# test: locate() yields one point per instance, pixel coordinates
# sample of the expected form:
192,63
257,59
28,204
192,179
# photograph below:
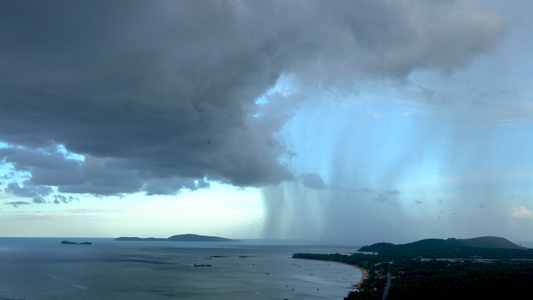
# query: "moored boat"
202,265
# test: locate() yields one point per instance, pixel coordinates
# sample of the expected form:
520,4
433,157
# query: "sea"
43,268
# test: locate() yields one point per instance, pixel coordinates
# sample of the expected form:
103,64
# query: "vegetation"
469,272
73,243
484,247
179,238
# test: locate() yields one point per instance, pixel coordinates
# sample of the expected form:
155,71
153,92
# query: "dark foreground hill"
478,268
179,238
485,247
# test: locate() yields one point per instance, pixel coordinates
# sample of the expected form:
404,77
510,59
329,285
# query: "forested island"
479,268
179,238
73,243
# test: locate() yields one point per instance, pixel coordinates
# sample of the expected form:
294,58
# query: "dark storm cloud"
39,200
171,186
159,96
313,181
47,166
63,199
28,190
60,199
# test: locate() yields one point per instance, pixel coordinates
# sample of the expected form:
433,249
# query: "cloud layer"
161,96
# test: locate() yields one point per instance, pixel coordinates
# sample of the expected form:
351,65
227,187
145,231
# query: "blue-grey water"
42,268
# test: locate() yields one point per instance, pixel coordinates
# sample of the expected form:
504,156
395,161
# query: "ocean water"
42,268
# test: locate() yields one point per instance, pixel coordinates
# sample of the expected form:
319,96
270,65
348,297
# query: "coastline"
363,278
364,272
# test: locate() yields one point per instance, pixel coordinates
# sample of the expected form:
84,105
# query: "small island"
477,268
178,238
73,243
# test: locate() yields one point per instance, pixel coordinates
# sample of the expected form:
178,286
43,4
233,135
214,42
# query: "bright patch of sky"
221,210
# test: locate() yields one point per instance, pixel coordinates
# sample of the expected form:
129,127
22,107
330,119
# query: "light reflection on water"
44,269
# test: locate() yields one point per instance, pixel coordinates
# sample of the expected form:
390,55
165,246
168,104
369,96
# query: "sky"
334,121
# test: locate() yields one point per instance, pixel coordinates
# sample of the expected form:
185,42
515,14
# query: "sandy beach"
363,278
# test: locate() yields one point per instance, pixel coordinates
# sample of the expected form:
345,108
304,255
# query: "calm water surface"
41,268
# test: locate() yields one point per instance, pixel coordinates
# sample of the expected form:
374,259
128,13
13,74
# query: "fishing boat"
202,265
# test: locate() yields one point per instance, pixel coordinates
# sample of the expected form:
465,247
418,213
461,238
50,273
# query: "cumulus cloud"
160,96
522,212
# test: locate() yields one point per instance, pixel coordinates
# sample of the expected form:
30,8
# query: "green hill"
490,242
178,238
198,238
486,247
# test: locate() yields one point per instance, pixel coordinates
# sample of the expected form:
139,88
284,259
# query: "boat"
202,265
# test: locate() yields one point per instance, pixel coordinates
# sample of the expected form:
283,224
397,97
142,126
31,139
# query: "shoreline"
363,278
364,273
